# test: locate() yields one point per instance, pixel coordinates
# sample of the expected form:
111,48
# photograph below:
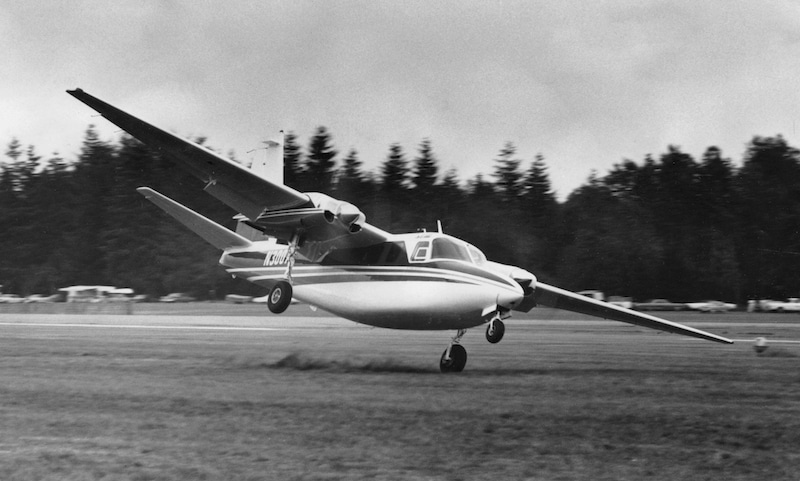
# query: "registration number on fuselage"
276,257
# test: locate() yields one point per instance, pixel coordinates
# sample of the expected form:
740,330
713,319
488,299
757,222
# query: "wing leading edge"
551,296
226,180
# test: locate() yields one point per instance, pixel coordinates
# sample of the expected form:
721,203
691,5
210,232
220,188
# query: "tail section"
270,166
210,231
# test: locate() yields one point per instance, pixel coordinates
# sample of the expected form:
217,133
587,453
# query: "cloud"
585,84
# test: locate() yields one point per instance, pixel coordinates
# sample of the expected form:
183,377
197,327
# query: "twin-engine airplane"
322,251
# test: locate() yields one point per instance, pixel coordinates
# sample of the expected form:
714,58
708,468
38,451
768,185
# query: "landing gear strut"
280,296
454,358
495,330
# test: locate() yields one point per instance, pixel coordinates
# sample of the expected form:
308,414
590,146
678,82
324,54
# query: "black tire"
457,361
495,335
279,297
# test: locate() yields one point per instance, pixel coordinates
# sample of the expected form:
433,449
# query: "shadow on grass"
776,352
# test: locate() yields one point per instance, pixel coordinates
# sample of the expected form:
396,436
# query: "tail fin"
270,166
213,233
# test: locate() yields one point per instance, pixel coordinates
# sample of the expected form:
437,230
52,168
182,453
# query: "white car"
791,305
711,306
11,299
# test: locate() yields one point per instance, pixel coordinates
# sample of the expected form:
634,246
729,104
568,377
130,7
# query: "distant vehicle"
711,306
11,299
177,297
621,301
790,305
594,294
87,293
35,298
238,299
659,305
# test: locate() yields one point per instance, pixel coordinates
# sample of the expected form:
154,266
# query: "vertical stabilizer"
270,165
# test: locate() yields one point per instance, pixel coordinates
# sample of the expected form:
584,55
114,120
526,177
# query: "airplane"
321,251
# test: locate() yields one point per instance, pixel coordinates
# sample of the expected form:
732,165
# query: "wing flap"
230,182
551,296
213,233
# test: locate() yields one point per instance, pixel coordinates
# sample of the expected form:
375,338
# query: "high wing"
275,209
251,194
550,296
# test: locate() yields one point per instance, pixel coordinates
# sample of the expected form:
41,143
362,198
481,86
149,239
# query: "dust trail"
303,362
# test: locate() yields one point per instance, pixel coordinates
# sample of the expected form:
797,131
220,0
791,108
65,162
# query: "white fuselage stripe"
345,273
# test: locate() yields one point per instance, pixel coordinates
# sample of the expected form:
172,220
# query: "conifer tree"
320,163
507,174
350,183
425,168
292,162
394,170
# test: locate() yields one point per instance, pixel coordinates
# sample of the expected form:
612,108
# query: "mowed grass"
553,400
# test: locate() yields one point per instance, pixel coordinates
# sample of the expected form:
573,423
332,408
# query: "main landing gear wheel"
456,361
279,297
495,331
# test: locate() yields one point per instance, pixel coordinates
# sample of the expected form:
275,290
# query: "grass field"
560,398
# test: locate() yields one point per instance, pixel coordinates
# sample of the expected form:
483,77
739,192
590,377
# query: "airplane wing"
213,233
232,183
275,209
551,296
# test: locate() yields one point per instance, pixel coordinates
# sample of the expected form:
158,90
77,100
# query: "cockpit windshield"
478,257
444,248
435,248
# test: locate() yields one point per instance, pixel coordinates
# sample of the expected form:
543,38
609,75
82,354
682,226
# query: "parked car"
790,305
621,301
36,298
238,299
177,297
11,299
659,305
711,306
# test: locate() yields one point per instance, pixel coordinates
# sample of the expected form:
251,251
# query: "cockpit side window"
447,249
421,251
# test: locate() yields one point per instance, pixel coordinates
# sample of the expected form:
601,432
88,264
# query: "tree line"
671,226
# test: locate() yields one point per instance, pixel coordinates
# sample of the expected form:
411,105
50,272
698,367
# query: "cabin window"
421,251
447,249
386,253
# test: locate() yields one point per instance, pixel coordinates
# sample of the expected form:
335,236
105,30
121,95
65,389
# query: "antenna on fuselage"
439,226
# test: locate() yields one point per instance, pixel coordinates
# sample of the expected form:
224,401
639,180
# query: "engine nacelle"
338,210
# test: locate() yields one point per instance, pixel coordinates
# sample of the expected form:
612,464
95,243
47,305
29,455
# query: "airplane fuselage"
414,281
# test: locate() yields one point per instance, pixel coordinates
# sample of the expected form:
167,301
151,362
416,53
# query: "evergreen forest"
670,226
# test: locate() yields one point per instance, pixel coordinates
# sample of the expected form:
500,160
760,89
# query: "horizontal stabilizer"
569,301
213,233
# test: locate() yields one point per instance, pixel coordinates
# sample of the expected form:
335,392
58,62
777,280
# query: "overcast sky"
586,84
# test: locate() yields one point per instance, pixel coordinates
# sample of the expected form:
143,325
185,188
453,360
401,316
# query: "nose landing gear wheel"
279,297
457,360
495,331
